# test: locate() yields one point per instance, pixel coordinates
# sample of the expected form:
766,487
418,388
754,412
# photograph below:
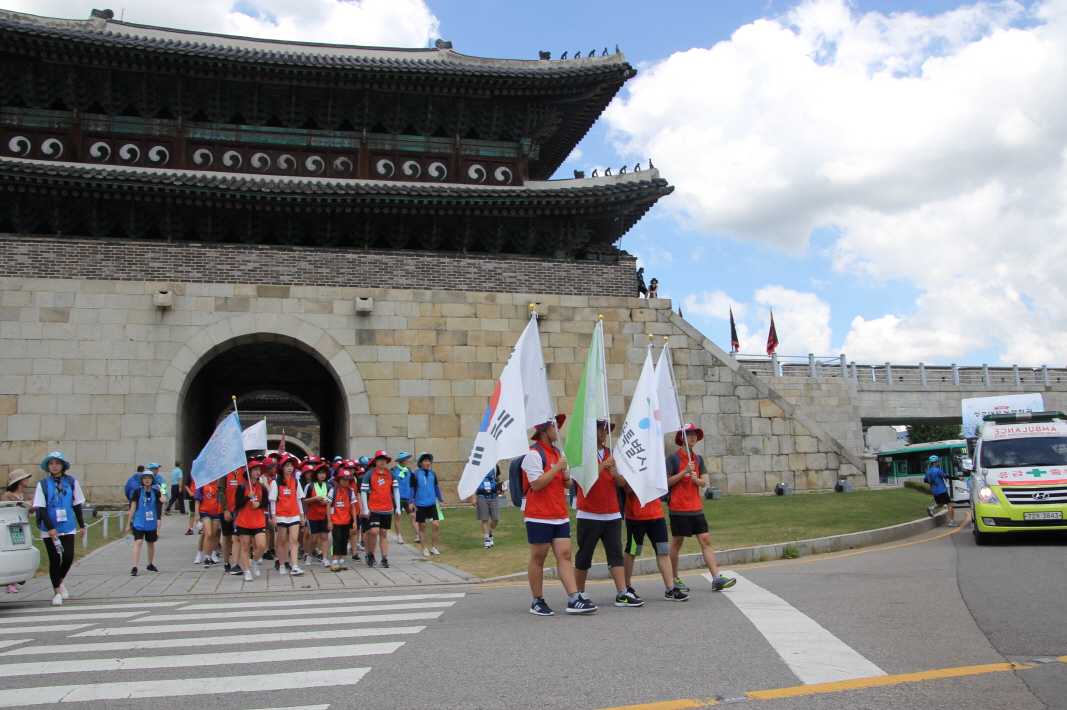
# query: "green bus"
911,462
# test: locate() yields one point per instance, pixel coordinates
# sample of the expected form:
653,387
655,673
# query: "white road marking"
47,618
302,707
190,661
40,629
268,615
99,607
814,654
343,620
5,644
146,644
333,601
184,687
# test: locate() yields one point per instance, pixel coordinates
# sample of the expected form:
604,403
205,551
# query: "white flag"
255,436
502,434
671,416
639,452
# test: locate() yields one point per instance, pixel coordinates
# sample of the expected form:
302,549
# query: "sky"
888,176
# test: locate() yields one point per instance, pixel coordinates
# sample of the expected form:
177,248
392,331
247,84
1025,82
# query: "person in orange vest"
207,510
228,505
545,481
600,521
686,475
252,502
381,498
287,514
315,507
343,509
642,520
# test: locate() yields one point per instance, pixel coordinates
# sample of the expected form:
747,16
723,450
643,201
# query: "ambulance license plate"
1044,515
18,534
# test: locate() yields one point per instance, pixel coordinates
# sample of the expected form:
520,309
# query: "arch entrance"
280,379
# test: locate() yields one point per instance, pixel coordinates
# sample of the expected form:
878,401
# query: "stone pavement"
105,573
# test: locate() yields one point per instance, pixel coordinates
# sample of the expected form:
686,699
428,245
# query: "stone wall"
122,260
91,368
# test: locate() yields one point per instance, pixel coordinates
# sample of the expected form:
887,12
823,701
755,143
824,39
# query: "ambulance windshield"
1050,451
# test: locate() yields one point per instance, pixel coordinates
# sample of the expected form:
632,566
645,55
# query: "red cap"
382,455
679,438
255,461
560,418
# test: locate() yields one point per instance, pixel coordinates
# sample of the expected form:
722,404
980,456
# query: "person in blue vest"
164,493
144,521
425,494
58,502
939,482
402,475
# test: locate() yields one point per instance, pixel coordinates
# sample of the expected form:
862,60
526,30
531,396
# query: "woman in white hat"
16,481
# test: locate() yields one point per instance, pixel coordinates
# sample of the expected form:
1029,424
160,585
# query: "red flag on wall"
734,344
772,337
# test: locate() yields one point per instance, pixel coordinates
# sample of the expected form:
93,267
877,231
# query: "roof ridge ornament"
443,44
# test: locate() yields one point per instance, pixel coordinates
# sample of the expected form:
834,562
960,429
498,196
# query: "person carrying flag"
228,506
600,521
381,498
545,480
252,501
686,475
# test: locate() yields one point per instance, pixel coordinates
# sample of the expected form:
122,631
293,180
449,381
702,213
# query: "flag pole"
670,366
544,370
604,360
248,476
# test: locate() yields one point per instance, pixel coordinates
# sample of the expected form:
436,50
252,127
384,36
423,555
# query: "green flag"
590,405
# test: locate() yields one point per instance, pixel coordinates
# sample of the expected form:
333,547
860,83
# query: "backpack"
515,477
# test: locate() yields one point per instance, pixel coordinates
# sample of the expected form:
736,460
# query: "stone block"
414,388
408,370
806,444
318,305
392,425
769,409
389,405
232,304
445,426
382,388
816,461
395,353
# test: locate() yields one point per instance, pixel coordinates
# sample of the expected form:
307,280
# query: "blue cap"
934,459
364,460
153,465
54,455
403,455
425,455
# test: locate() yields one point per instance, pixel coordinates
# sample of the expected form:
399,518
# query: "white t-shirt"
272,495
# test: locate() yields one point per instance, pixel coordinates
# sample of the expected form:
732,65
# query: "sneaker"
255,569
335,566
492,541
680,584
385,562
63,589
342,564
400,538
434,551
720,583
13,589
418,540
198,559
268,555
166,512
930,511
57,600
296,572
952,523
370,559
226,567
538,607
581,605
133,573
151,568
214,559
426,553
361,547
277,565
356,558
189,531
675,595
283,571
325,563
633,593
488,543
236,569
627,598
248,576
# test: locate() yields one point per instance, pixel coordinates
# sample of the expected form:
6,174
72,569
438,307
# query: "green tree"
924,433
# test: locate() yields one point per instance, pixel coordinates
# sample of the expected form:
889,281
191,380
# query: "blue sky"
887,175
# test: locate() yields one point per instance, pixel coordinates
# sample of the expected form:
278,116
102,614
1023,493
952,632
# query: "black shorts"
426,513
210,516
590,532
288,525
383,521
657,535
942,499
317,527
404,503
146,535
250,531
226,526
688,525
364,525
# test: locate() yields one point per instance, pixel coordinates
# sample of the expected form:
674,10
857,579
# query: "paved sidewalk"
105,573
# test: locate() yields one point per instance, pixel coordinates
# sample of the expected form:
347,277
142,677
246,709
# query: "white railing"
812,365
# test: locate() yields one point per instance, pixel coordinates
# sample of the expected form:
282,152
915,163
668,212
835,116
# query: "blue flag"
223,453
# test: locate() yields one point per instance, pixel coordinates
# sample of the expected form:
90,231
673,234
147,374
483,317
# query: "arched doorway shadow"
245,329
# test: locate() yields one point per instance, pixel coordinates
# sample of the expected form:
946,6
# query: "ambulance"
1019,481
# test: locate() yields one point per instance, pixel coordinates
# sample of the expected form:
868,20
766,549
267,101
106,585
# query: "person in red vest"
686,475
381,498
642,520
315,507
545,481
600,521
228,504
252,502
343,510
207,510
287,514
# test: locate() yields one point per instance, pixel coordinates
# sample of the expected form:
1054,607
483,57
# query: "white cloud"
393,23
936,147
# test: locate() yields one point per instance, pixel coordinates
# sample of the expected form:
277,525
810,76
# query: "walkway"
105,573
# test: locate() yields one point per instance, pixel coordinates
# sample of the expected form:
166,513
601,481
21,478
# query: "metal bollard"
103,531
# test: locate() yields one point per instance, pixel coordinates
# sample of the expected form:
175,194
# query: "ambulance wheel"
981,538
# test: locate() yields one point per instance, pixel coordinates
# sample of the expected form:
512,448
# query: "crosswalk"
112,652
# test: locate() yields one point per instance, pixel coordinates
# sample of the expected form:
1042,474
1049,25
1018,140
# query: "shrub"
790,552
919,486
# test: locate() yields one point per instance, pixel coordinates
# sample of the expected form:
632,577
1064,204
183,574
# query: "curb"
765,553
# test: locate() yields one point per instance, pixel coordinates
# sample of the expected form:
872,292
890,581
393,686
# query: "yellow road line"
813,558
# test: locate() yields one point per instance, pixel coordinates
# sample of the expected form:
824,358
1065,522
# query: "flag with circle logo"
639,453
223,453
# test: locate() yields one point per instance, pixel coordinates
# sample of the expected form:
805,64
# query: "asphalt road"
939,603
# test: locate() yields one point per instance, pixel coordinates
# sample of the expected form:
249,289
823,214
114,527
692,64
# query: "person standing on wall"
58,502
177,491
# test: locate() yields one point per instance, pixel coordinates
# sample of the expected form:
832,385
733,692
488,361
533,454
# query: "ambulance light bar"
1024,417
